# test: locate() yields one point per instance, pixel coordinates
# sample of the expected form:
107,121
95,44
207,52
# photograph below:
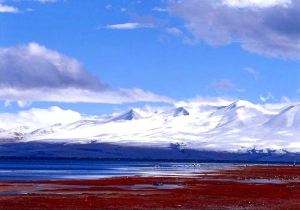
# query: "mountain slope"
236,127
288,118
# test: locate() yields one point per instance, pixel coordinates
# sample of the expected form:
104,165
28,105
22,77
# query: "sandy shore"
251,187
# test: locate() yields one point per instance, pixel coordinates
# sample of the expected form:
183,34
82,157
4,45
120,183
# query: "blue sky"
170,49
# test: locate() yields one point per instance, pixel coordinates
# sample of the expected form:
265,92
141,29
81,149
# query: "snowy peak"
240,114
180,111
241,104
132,114
45,131
287,118
242,108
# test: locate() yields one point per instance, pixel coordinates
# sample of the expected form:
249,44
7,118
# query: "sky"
98,56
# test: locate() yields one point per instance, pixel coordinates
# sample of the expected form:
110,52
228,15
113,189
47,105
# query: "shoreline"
251,187
123,152
145,160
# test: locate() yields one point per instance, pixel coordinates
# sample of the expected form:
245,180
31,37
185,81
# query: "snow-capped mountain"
130,115
287,119
235,127
180,111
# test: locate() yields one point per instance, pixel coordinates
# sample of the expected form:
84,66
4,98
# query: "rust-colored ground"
251,187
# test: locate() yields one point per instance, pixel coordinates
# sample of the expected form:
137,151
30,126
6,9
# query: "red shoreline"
226,189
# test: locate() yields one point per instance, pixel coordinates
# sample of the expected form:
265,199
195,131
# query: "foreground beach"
240,187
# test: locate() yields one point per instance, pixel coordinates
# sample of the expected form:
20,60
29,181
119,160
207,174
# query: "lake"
27,169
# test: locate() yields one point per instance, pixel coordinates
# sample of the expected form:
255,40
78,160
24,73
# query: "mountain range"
240,127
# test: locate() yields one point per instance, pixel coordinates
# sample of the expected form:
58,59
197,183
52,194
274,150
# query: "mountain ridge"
237,127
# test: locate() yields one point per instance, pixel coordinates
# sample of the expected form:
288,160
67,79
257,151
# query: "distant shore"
243,186
265,162
109,151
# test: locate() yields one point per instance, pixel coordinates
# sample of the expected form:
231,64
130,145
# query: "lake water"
12,170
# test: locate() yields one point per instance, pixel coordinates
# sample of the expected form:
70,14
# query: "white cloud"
34,73
174,31
8,9
223,84
29,10
159,9
201,100
7,103
251,71
136,22
256,3
266,97
22,104
46,1
30,66
76,95
38,118
11,9
108,6
266,27
128,26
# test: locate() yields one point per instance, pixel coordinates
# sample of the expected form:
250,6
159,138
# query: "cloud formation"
46,1
8,9
251,71
136,22
34,66
174,31
223,84
256,3
37,118
266,97
128,26
268,27
34,73
4,8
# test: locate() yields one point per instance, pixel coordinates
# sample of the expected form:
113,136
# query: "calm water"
93,169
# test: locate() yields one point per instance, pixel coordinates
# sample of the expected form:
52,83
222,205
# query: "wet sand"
251,187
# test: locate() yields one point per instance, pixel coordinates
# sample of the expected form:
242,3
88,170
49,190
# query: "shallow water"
13,170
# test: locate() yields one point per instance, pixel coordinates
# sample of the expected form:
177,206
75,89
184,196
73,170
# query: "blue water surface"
22,170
